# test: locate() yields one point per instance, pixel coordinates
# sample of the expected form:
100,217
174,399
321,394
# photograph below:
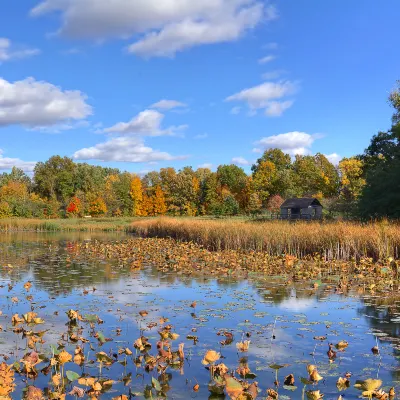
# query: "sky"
142,85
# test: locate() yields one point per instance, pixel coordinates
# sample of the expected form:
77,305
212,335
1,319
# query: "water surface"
281,320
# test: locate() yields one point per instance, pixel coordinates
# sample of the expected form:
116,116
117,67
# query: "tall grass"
66,225
334,241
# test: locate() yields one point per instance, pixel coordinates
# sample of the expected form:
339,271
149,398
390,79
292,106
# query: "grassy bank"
66,225
337,241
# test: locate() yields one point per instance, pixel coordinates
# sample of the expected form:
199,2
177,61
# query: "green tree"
55,178
273,173
381,193
16,175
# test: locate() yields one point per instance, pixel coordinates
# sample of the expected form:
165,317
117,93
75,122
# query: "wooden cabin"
301,208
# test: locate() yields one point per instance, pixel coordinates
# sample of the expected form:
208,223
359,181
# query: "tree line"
366,185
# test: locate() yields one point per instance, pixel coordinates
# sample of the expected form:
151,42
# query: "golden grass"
334,241
66,225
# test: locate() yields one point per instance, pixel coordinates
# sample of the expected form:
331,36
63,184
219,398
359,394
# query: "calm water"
260,306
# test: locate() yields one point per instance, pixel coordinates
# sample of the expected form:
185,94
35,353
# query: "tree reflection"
380,312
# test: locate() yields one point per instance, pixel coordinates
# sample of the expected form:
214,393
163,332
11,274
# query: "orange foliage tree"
74,207
147,205
97,207
159,204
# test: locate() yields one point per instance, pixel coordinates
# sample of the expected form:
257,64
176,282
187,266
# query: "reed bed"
66,225
333,241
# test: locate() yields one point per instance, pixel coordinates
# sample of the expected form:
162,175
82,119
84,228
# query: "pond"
289,326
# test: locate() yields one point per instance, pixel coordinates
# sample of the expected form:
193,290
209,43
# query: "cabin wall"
284,213
307,211
318,212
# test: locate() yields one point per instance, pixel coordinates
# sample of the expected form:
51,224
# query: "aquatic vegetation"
168,255
194,323
333,241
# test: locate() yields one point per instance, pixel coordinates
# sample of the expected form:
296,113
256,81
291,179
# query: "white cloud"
273,74
334,158
205,165
8,163
235,110
240,161
266,96
168,104
163,28
146,123
277,108
291,143
124,149
10,52
294,304
35,103
266,59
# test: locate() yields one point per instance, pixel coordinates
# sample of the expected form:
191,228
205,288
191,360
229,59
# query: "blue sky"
143,85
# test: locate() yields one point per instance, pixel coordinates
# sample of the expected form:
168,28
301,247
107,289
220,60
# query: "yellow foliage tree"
263,179
159,204
15,190
136,193
352,180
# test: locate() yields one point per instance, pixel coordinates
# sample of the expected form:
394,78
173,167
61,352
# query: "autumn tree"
150,181
282,181
255,204
136,193
147,205
16,175
315,176
74,207
351,178
264,179
274,204
159,204
97,207
212,198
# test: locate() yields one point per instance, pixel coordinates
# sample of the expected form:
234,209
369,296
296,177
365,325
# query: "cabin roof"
304,202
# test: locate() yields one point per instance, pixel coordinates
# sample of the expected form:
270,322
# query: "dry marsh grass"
65,225
334,241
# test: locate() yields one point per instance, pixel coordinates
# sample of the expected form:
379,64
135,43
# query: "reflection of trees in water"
380,311
276,292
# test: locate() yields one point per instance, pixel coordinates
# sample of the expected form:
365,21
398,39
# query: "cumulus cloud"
123,149
266,59
146,123
35,103
277,108
168,105
291,143
267,96
334,158
240,161
162,30
126,142
8,163
205,165
10,52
